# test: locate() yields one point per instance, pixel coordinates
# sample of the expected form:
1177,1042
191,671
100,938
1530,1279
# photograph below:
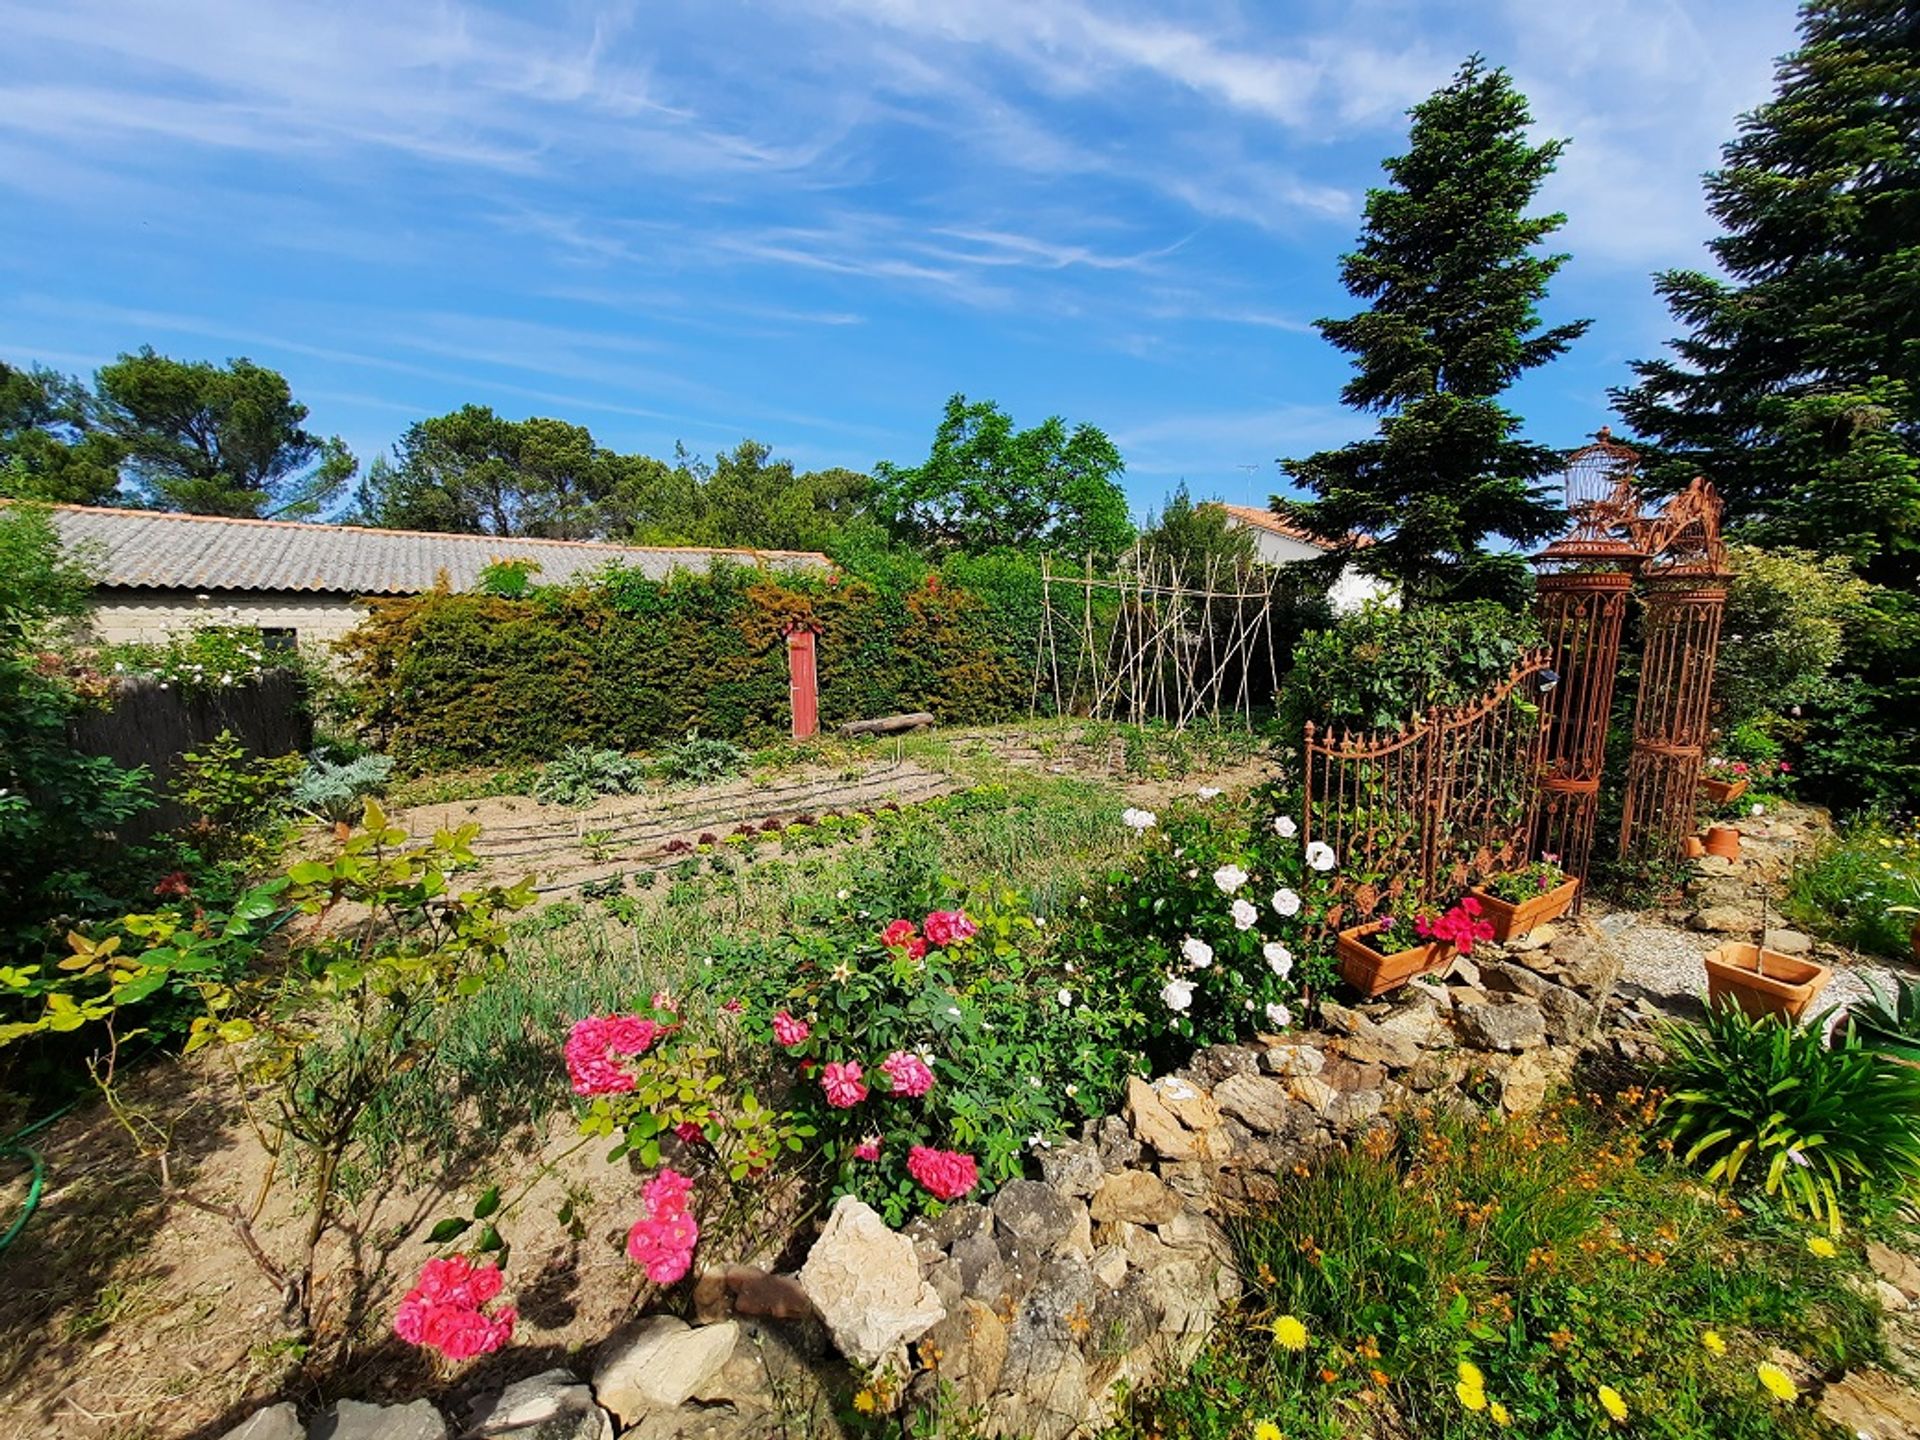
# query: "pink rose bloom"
789,1031
597,1045
689,1133
943,1174
946,927
898,935
443,1310
663,1245
908,1072
868,1149
733,1007
669,1190
843,1085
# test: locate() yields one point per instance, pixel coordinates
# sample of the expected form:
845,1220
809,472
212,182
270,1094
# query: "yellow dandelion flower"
1497,1413
1821,1246
1779,1384
1470,1375
864,1402
1711,1339
1289,1333
1612,1402
1267,1430
1471,1396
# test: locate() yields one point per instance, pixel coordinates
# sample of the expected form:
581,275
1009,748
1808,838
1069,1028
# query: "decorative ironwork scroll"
1434,807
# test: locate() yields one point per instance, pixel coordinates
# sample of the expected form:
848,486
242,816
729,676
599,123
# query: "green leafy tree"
219,440
1449,266
1197,538
744,498
52,444
1795,386
479,473
987,486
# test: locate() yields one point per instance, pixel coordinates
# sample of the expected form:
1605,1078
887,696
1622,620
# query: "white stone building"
158,572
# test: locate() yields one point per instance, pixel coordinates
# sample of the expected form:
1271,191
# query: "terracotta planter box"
1510,920
1721,791
1372,973
1763,982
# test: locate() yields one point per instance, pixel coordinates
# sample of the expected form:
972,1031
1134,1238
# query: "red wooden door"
803,683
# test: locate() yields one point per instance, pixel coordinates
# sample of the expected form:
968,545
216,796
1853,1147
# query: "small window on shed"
279,637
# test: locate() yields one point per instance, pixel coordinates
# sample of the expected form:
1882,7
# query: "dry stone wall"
1025,1313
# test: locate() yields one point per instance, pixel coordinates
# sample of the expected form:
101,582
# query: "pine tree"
1447,262
1796,388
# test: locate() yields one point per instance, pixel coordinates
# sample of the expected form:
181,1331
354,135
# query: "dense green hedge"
455,679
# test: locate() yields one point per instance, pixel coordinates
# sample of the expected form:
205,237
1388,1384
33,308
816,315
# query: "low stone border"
1026,1312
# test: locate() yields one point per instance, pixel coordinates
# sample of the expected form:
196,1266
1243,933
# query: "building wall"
121,616
1349,592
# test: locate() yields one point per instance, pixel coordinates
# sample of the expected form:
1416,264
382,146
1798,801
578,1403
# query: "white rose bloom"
1208,792
1284,827
1199,954
1244,915
1066,999
1138,819
1285,902
1279,1016
1279,958
1229,878
1178,994
1319,855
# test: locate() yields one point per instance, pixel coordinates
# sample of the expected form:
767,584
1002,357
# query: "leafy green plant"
508,579
701,760
1773,1108
581,774
335,792
1853,888
235,798
1518,886
1478,1277
201,658
1889,1022
316,1044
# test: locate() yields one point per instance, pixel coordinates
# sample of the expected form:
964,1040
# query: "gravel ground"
1666,964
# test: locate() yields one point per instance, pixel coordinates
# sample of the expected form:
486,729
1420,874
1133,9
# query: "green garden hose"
12,1146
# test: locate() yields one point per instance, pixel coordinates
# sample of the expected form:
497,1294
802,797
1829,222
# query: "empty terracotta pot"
1695,847
1724,841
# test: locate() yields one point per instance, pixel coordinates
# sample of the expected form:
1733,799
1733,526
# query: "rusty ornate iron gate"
1436,806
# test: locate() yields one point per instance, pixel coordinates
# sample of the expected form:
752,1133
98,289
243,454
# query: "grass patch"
1846,890
1453,1265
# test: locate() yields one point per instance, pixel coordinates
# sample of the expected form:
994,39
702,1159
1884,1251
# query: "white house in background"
1278,543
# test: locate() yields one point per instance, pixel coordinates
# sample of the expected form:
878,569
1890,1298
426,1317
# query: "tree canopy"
218,440
1795,385
1448,264
52,444
987,486
1197,537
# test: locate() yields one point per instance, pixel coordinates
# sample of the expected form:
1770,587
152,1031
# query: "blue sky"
809,221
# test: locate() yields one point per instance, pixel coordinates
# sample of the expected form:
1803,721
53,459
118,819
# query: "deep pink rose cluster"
661,1241
443,1311
901,935
789,1031
845,1089
908,1072
599,1044
949,927
943,1174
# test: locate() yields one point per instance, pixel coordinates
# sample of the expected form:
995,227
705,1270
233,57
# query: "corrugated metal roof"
151,549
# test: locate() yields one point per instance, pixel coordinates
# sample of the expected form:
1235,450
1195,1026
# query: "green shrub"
1847,890
628,662
1460,1277
581,774
1773,1108
335,792
1785,626
701,760
1380,666
235,798
1889,1022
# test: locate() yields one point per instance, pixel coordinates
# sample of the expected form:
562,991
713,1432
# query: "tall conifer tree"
1796,387
1449,266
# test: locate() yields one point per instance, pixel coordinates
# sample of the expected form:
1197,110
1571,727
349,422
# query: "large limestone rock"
1873,1403
968,1349
1518,1025
865,1281
1259,1102
353,1420
276,1422
1173,1116
553,1405
1138,1197
663,1362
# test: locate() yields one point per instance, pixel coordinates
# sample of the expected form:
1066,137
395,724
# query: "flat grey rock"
356,1420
